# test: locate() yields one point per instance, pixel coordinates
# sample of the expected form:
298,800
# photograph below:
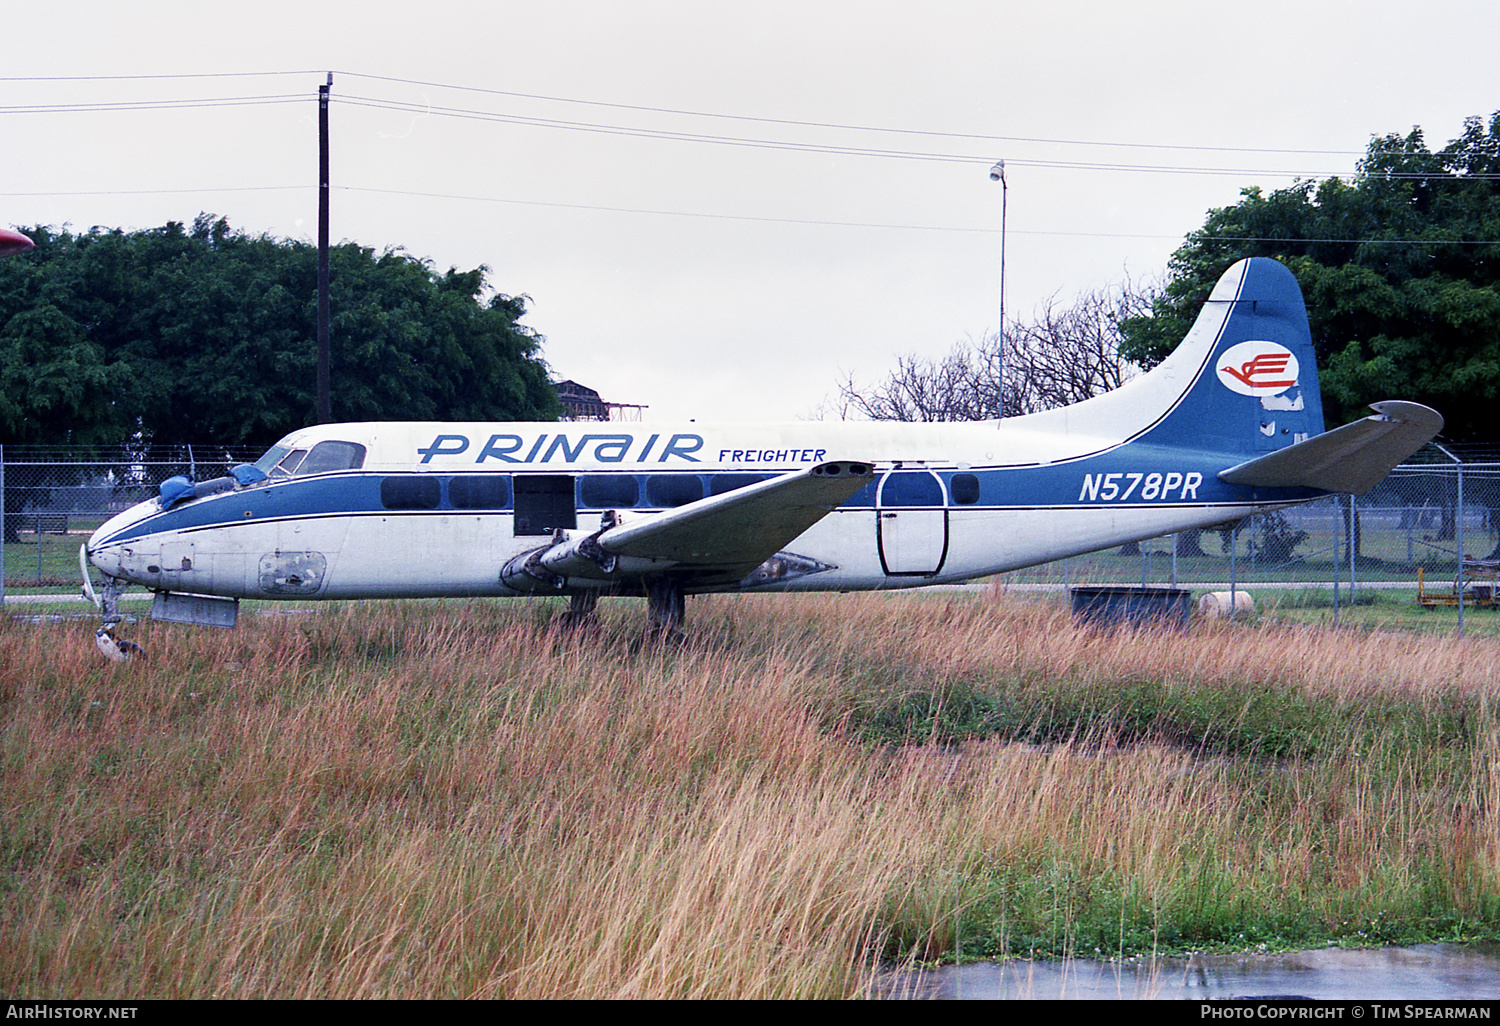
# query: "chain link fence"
1415,523
1418,519
55,497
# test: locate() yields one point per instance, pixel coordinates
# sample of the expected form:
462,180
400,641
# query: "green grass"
43,563
1373,609
446,799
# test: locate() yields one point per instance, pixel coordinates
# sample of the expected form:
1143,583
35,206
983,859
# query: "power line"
754,218
842,126
710,138
687,112
207,101
861,151
661,213
131,78
902,227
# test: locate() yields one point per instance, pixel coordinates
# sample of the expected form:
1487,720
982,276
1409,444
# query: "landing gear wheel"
666,609
117,650
582,611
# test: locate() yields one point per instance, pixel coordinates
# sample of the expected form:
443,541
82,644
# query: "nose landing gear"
107,601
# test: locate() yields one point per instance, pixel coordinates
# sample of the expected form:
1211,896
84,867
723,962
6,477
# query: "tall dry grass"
458,800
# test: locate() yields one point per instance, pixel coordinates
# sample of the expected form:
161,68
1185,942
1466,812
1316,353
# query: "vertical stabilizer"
1248,375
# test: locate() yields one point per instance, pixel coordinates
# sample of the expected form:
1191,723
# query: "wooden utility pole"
325,403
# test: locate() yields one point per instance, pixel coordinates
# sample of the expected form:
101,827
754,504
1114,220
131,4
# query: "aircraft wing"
720,539
737,531
1353,458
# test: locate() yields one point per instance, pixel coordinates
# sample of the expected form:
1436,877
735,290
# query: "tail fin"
1243,385
1243,382
1257,394
1245,374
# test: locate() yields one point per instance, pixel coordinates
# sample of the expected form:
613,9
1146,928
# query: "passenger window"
410,492
666,490
862,499
721,483
326,457
608,491
964,488
479,491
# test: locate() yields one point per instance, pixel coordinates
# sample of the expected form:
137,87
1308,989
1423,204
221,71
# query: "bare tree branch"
1065,355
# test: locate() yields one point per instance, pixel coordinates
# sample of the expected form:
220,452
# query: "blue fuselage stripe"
1131,476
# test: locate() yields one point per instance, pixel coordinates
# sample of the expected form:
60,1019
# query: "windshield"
284,461
329,456
271,458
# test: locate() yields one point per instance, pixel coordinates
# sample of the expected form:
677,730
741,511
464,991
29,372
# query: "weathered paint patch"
292,573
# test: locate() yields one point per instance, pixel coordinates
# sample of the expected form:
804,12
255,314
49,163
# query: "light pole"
997,174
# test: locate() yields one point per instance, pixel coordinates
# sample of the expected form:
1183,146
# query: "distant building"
582,403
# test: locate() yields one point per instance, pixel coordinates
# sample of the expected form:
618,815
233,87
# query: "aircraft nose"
108,554
106,557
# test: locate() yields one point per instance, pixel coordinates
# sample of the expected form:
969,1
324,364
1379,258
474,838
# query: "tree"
1065,355
205,334
1400,268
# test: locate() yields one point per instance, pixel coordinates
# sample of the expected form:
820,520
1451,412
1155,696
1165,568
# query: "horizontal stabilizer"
1353,458
735,532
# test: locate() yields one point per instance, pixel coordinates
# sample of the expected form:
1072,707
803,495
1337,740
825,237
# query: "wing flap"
1353,458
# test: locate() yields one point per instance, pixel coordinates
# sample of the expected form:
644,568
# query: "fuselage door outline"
911,523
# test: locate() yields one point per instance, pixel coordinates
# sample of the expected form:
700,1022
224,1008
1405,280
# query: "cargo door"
911,523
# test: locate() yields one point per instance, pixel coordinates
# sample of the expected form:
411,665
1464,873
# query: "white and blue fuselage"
1229,425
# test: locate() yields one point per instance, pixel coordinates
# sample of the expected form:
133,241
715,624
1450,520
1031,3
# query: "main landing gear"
666,608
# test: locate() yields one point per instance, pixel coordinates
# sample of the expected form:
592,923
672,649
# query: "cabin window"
410,492
329,456
544,503
964,488
721,483
665,490
911,488
608,491
479,491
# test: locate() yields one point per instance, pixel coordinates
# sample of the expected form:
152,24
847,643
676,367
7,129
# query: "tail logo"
1258,368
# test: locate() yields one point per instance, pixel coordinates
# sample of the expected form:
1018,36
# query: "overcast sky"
721,280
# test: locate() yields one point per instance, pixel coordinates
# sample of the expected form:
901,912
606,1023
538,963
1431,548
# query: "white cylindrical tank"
1218,604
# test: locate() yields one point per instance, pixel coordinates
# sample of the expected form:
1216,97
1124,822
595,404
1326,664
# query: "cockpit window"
272,456
292,461
330,456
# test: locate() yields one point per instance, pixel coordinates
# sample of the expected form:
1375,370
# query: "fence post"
1338,520
1460,532
1353,543
1234,543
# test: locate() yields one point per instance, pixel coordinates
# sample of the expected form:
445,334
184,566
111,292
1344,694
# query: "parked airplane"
1229,425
